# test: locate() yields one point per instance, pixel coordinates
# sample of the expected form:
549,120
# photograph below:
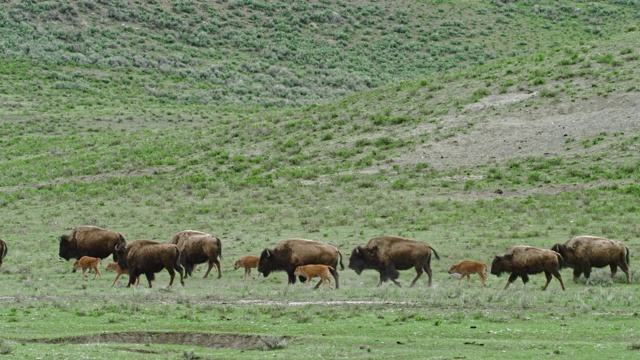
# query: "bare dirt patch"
506,127
214,341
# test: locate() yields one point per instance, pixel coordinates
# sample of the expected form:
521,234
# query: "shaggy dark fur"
291,253
584,252
388,254
149,257
89,241
196,248
527,260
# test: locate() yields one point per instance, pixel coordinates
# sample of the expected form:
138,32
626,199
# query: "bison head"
267,262
120,255
358,260
562,250
68,248
496,265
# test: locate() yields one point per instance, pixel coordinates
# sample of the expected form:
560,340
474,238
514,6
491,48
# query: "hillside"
472,126
278,53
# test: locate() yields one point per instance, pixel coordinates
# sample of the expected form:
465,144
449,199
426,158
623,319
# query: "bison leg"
180,271
484,277
150,278
247,272
211,264
427,269
576,274
460,278
559,277
292,278
116,279
614,270
132,275
97,273
548,275
318,284
419,272
512,278
172,273
625,269
336,277
587,274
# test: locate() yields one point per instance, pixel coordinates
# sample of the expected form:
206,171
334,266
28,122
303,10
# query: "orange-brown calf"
311,271
88,262
247,263
112,266
468,267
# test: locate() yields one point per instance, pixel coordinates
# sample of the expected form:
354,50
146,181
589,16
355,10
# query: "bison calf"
112,266
525,260
87,262
311,271
247,263
468,267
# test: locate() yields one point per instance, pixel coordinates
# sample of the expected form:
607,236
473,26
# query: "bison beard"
149,257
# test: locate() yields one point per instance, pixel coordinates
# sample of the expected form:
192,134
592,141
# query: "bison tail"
342,266
560,260
628,262
177,265
435,252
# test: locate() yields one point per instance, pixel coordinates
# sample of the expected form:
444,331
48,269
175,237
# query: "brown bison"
3,250
113,266
149,257
291,253
388,254
315,270
87,262
526,260
196,248
584,252
247,263
468,267
89,241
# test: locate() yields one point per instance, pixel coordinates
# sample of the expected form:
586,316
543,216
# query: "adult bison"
149,257
3,250
388,254
89,241
584,252
291,253
197,247
527,260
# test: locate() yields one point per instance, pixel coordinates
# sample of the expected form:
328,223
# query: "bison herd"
308,259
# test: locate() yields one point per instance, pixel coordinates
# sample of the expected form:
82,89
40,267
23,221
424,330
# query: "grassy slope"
149,150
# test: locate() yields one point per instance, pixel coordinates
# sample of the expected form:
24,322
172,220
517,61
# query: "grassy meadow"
258,121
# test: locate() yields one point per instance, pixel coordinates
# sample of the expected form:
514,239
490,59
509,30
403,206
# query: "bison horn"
358,250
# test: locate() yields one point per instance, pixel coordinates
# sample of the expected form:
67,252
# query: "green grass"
259,121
